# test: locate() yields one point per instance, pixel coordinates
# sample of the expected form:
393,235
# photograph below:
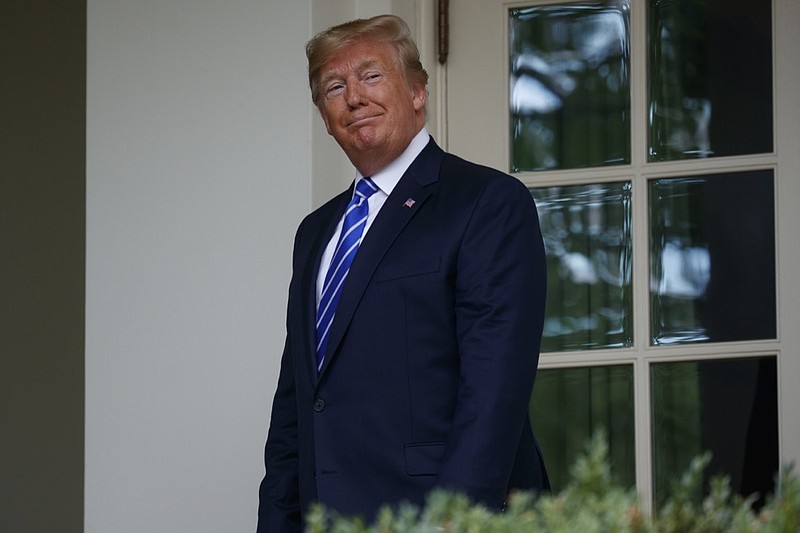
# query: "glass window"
570,86
570,404
712,258
727,407
707,229
710,69
587,236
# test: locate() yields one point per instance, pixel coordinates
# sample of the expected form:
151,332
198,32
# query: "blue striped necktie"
355,219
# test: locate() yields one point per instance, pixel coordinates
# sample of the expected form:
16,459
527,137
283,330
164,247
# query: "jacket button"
319,405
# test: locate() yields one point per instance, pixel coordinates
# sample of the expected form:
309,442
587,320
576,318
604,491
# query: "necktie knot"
365,188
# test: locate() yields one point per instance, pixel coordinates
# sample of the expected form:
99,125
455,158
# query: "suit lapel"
309,282
408,197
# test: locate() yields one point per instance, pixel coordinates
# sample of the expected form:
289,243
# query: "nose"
355,94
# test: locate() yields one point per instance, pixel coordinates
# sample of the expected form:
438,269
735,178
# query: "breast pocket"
419,266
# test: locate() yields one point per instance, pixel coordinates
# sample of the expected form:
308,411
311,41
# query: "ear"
419,95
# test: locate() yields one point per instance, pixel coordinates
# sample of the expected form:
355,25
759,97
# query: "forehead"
359,56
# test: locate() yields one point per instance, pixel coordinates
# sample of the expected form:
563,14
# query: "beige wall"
42,191
198,172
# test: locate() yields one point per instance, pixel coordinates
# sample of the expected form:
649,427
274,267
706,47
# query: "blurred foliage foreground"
592,502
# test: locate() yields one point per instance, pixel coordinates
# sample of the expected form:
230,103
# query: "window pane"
570,85
710,78
727,407
570,404
587,237
712,258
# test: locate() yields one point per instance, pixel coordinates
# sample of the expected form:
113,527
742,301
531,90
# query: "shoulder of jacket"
465,172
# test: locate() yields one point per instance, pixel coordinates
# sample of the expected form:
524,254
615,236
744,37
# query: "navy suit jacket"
431,357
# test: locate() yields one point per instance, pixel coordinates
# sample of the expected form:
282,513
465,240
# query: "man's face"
367,105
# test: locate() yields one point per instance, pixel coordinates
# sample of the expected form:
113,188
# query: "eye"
373,76
334,89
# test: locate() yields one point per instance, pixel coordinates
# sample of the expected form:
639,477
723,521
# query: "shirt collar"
388,177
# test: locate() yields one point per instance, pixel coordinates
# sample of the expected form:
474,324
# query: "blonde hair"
384,28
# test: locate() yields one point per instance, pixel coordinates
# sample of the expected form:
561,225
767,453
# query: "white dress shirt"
386,180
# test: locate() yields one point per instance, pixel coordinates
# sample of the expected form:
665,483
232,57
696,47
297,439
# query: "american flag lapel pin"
409,203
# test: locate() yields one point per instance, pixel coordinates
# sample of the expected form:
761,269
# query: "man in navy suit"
430,358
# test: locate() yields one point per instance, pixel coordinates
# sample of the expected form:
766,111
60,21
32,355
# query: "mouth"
357,121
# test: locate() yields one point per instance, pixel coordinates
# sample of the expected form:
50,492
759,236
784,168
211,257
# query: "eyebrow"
333,74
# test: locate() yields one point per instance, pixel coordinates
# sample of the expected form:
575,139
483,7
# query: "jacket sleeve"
279,501
279,493
500,298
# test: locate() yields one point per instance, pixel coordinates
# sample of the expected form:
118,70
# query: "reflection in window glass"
570,85
712,258
587,237
728,407
570,404
709,78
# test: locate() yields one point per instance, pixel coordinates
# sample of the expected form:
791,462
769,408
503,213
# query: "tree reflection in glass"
570,85
709,78
587,236
569,405
725,406
712,258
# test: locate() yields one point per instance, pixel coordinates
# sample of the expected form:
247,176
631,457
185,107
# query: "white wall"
198,171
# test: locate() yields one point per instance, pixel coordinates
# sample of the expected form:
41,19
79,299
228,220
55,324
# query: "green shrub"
592,502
